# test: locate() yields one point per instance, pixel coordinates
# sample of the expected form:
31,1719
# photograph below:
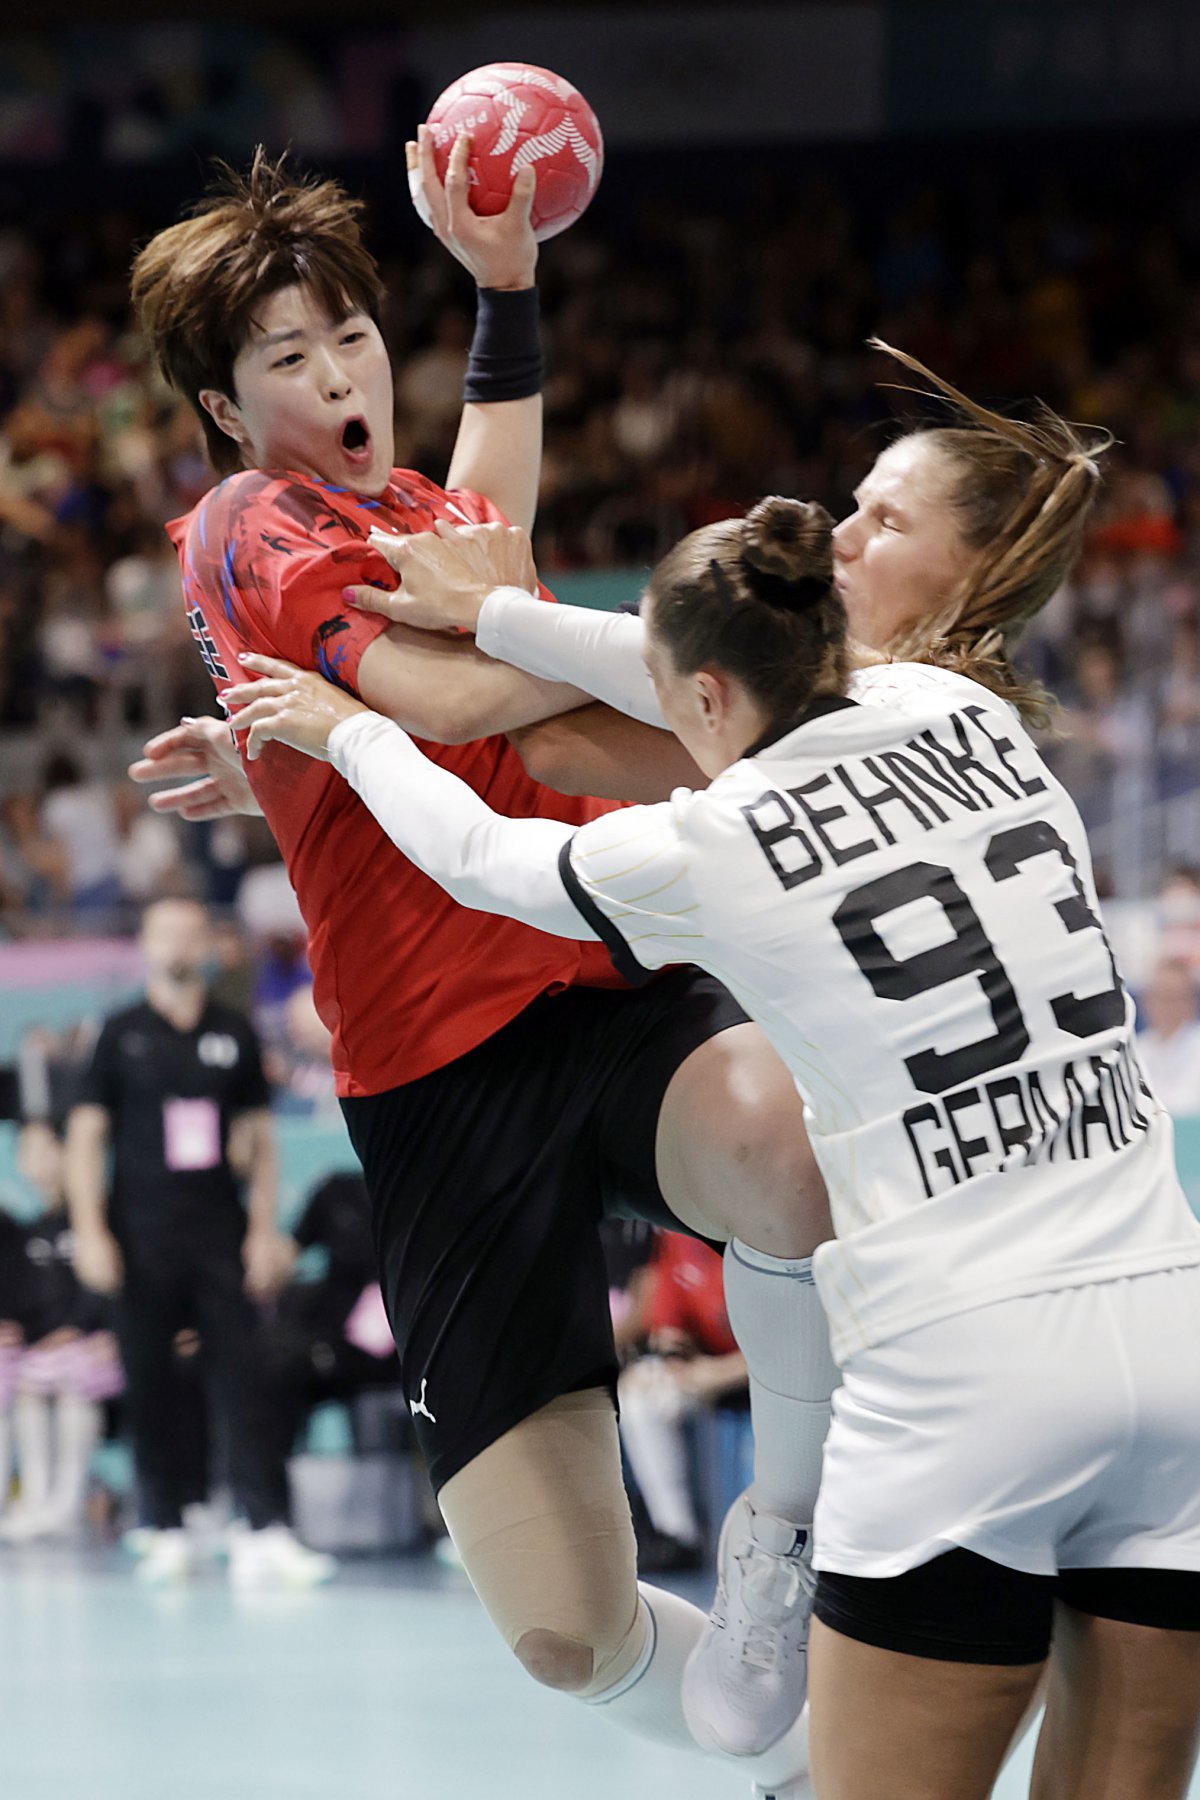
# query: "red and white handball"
518,117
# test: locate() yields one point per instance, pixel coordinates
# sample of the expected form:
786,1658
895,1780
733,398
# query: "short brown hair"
755,596
1022,494
197,285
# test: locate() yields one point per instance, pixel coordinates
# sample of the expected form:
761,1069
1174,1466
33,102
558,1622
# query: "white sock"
647,1699
77,1429
657,1451
31,1422
779,1322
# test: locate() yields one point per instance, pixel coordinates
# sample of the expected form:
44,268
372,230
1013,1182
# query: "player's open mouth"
356,440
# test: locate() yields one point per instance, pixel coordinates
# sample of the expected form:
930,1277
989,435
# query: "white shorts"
1060,1431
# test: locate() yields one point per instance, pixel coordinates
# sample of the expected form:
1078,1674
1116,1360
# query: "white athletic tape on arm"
416,187
484,861
597,651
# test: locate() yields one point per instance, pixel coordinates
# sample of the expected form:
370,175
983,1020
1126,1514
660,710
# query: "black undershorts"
488,1180
961,1607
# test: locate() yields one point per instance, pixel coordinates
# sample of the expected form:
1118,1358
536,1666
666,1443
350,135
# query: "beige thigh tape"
541,1521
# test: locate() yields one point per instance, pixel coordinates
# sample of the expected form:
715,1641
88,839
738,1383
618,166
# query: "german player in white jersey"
892,883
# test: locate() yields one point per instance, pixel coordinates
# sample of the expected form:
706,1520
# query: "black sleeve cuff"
623,960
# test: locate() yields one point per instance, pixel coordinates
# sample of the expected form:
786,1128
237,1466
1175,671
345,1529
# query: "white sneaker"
166,1559
784,1772
275,1558
25,1524
747,1678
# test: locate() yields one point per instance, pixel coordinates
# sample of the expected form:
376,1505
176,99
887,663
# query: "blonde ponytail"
1022,492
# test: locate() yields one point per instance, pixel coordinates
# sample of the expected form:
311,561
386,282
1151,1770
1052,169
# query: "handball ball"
519,116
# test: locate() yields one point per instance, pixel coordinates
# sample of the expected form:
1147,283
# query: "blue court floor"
387,1685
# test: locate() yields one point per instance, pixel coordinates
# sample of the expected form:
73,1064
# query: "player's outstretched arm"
484,861
498,452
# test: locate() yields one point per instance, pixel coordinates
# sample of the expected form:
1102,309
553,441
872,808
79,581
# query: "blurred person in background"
1177,910
305,1060
1169,1042
65,1364
23,885
693,1362
176,1091
1179,720
329,1338
11,1340
628,1247
79,818
429,390
149,859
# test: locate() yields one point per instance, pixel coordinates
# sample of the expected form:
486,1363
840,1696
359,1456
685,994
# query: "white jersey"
901,894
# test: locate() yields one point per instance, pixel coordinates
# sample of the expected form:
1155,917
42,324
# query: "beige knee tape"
541,1521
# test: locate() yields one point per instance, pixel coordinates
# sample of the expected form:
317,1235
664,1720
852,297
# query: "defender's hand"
202,747
500,252
447,574
290,706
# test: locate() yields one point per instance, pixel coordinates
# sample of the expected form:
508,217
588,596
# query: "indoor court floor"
387,1685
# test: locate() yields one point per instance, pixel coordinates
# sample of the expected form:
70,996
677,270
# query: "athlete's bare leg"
909,1728
732,1150
1123,1713
542,1523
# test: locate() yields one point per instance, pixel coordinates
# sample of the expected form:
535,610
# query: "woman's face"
899,554
314,394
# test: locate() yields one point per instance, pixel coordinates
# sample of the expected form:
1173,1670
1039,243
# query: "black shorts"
961,1607
488,1180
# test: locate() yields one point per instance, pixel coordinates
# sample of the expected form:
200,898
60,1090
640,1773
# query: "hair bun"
790,543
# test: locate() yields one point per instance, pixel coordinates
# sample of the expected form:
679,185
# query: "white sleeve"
631,874
484,861
599,652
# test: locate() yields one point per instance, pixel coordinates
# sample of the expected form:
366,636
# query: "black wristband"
506,351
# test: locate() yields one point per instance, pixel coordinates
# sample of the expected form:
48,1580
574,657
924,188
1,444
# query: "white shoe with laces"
747,1678
274,1558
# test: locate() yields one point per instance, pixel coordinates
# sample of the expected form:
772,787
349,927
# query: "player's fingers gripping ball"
518,117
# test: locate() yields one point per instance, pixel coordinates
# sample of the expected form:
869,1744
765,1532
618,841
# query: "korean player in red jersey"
502,1088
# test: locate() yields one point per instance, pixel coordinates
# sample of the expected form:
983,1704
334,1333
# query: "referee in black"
175,1099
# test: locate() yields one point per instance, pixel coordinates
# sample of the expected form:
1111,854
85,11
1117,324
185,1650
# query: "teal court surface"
387,1685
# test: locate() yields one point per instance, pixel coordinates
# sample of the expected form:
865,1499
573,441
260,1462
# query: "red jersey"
687,1293
405,979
